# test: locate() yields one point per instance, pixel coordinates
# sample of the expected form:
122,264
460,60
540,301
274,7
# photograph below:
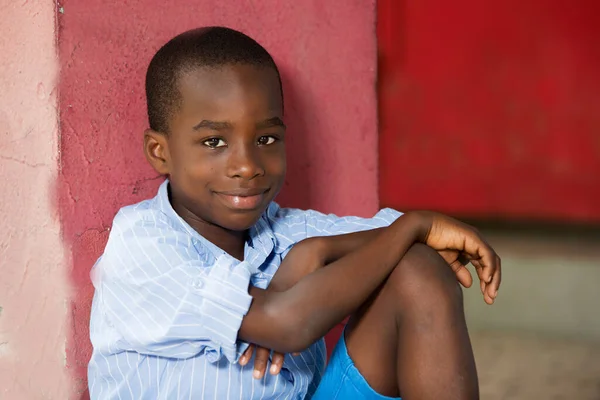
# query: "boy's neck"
232,242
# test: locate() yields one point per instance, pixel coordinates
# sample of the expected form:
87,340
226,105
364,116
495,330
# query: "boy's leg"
411,338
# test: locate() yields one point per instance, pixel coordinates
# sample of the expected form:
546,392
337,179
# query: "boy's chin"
241,221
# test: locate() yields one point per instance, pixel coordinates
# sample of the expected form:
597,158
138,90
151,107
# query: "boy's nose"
244,163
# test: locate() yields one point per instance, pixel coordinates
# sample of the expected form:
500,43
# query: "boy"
192,276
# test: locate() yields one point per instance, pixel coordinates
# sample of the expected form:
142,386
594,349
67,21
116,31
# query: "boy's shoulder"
281,214
295,217
141,215
153,212
143,233
299,224
290,218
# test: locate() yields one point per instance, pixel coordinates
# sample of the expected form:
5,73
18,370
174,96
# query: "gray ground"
529,367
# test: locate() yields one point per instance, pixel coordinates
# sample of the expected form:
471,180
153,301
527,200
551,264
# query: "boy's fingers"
260,362
489,294
486,263
490,290
449,256
499,272
462,273
247,355
489,263
488,299
479,250
494,282
479,269
494,285
276,363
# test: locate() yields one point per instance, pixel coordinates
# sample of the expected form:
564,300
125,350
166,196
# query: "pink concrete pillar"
33,270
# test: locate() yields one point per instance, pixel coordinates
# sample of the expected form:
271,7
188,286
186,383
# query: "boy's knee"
422,278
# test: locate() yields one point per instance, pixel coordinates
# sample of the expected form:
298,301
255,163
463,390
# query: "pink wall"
33,279
327,55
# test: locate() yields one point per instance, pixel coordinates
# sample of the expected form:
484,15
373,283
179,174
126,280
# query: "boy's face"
225,153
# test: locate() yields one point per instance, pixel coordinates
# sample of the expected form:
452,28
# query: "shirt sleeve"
165,297
311,223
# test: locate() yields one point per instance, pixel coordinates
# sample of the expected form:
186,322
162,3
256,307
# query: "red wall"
326,52
491,108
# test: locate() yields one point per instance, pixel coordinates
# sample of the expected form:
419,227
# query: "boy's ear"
157,151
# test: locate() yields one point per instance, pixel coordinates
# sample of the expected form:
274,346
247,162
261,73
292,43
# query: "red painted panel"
491,109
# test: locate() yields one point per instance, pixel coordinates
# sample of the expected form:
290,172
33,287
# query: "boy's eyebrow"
271,122
213,125
223,125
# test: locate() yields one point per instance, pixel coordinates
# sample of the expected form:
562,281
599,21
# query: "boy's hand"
459,244
261,359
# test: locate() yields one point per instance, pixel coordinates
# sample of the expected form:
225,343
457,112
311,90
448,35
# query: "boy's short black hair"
203,47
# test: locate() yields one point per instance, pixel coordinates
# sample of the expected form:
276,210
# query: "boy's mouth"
243,199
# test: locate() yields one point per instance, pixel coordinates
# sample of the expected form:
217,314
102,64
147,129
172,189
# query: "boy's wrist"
419,224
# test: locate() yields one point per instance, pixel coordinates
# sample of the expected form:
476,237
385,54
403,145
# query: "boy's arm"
293,319
164,292
336,247
304,258
328,238
314,253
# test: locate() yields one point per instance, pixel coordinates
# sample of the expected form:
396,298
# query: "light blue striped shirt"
168,305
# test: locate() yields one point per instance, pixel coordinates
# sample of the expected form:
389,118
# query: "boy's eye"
213,143
266,140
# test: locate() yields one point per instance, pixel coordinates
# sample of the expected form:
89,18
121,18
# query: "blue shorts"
343,381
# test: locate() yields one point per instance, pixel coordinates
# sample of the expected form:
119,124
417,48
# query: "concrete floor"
517,366
549,285
541,339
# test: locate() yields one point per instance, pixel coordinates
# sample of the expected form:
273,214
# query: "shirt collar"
261,240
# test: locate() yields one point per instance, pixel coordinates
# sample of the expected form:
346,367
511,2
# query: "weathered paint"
326,52
33,277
